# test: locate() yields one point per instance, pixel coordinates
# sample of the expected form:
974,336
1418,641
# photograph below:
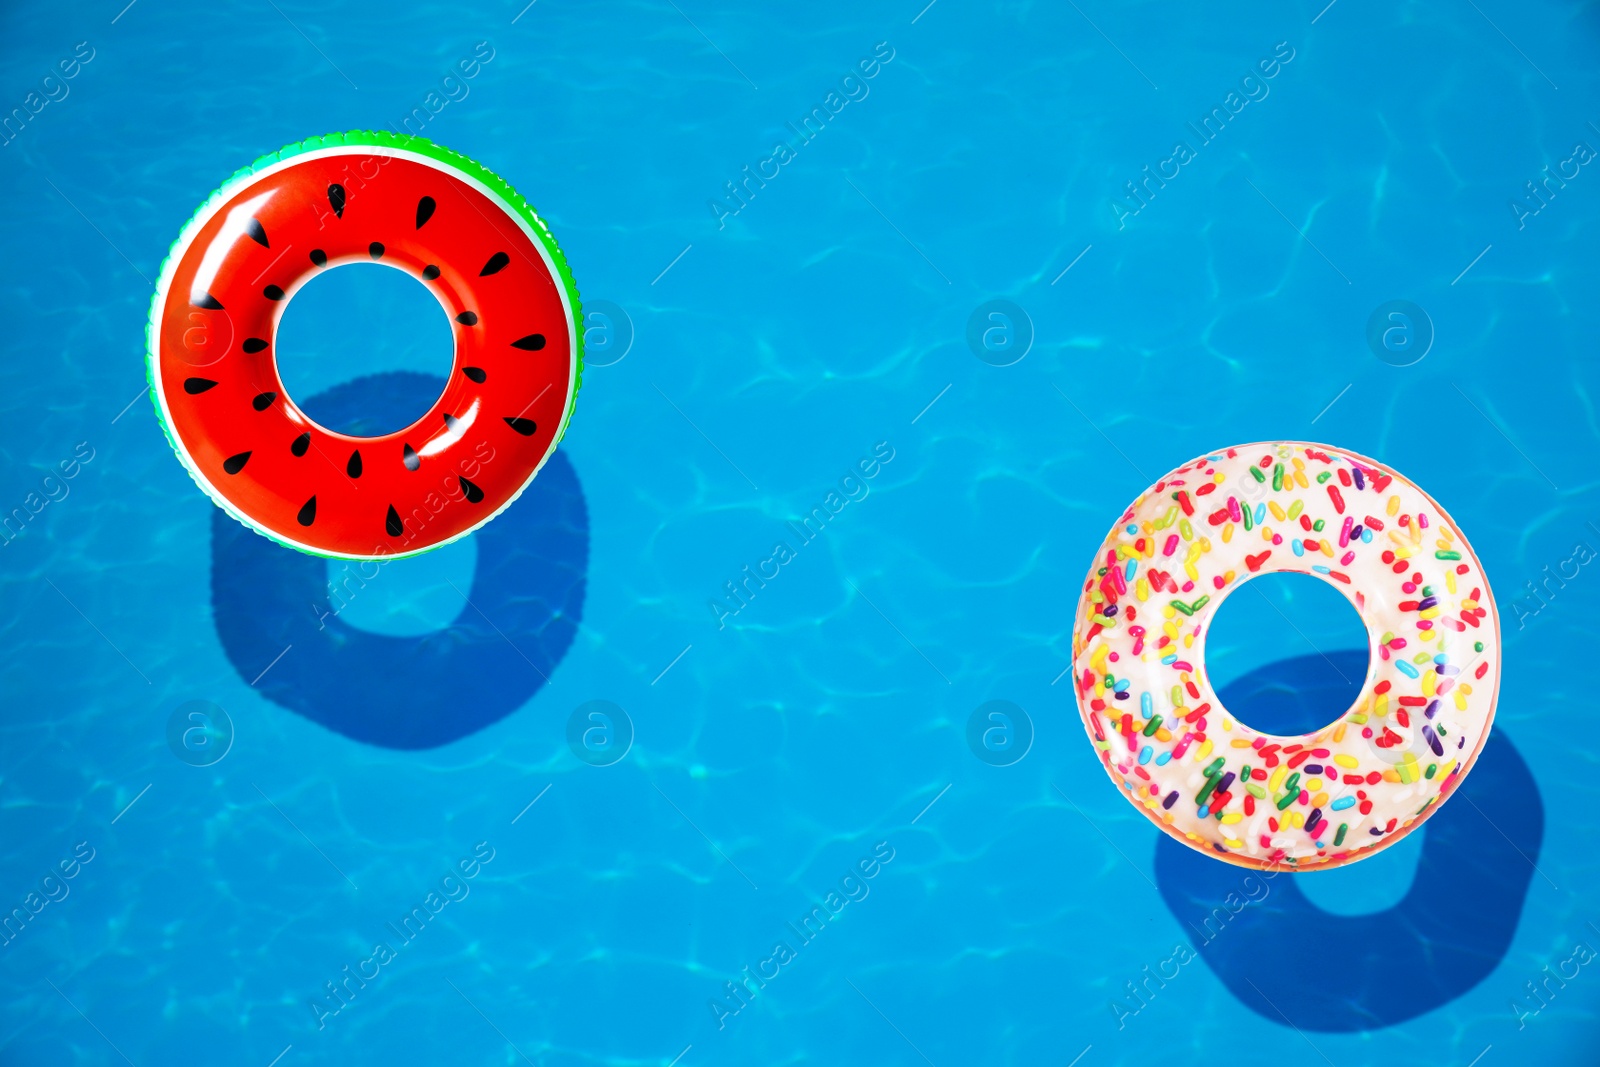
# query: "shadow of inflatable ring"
522,614
1449,932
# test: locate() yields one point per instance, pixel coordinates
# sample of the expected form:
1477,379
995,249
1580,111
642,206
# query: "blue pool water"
598,907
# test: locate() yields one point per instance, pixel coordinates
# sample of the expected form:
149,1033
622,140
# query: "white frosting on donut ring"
1257,799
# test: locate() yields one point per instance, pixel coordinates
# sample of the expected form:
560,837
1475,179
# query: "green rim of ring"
471,168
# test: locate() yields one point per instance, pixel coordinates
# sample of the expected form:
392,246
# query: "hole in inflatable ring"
360,319
1285,616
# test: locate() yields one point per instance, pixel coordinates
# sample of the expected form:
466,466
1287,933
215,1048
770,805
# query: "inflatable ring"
364,197
1256,799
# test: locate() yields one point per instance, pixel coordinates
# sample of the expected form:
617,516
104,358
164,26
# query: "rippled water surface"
781,337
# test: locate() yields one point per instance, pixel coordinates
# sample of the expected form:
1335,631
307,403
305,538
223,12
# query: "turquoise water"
821,729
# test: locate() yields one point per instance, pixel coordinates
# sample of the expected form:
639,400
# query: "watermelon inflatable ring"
364,197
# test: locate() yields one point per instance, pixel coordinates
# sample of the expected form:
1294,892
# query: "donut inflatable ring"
1256,799
409,204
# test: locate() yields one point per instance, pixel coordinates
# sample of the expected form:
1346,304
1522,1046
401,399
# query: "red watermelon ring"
364,197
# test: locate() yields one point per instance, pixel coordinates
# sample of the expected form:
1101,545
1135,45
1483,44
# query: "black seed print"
205,300
272,292
474,494
477,374
468,318
353,467
257,234
410,459
525,427
336,199
235,464
451,422
253,344
376,250
430,272
496,264
308,513
263,401
531,343
319,257
300,444
195,386
425,208
392,523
